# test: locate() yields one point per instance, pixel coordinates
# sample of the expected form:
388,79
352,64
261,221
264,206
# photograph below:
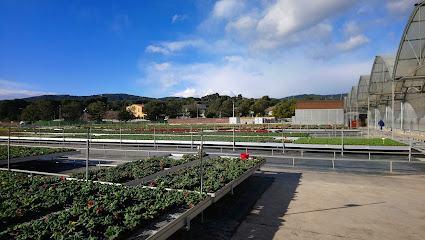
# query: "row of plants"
18,152
23,196
228,138
350,141
227,131
97,211
136,169
217,172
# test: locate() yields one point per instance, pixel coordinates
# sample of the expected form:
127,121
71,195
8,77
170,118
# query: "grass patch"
350,141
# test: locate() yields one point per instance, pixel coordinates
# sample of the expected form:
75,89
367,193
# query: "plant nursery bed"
94,211
135,170
217,172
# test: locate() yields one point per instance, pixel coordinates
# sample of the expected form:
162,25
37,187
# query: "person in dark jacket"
381,124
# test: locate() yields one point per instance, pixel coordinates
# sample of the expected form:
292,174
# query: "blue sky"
194,48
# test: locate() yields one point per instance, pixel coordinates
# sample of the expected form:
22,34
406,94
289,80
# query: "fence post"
410,148
87,154
391,166
333,164
342,142
8,152
293,162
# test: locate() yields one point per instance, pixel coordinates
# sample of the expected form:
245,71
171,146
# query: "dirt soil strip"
136,182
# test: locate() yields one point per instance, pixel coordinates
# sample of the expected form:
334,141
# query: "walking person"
381,124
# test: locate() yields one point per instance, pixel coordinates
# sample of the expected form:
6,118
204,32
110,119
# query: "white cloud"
351,28
401,6
157,49
178,18
171,47
286,16
13,90
227,8
352,43
233,58
162,66
255,78
242,27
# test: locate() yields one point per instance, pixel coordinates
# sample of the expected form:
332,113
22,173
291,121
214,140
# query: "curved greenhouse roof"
363,90
382,72
354,96
410,55
348,100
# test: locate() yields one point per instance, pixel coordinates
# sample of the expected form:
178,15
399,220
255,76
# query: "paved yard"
311,205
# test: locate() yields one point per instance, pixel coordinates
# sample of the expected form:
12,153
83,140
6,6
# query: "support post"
120,135
283,140
401,115
342,142
154,138
233,138
8,152
392,111
410,148
368,117
202,138
87,154
191,137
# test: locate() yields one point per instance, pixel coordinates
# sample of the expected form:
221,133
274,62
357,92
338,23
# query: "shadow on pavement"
267,216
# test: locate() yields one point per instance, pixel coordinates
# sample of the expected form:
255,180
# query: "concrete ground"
312,205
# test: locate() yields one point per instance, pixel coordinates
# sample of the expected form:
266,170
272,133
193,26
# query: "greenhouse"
394,90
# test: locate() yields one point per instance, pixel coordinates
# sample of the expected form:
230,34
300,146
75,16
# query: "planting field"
89,210
37,207
18,152
349,141
217,172
136,169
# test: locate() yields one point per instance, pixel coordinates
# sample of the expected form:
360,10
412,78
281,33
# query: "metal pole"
120,135
401,116
283,141
191,137
410,148
154,138
87,154
342,142
368,117
233,139
202,138
392,111
8,152
233,109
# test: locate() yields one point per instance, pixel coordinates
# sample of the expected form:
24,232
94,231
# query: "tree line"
95,109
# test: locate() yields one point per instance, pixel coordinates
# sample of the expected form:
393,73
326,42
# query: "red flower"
19,212
90,203
19,178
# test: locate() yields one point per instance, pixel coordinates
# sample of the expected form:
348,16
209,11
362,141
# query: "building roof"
320,104
410,55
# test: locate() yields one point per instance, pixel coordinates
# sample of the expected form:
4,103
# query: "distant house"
269,111
137,110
